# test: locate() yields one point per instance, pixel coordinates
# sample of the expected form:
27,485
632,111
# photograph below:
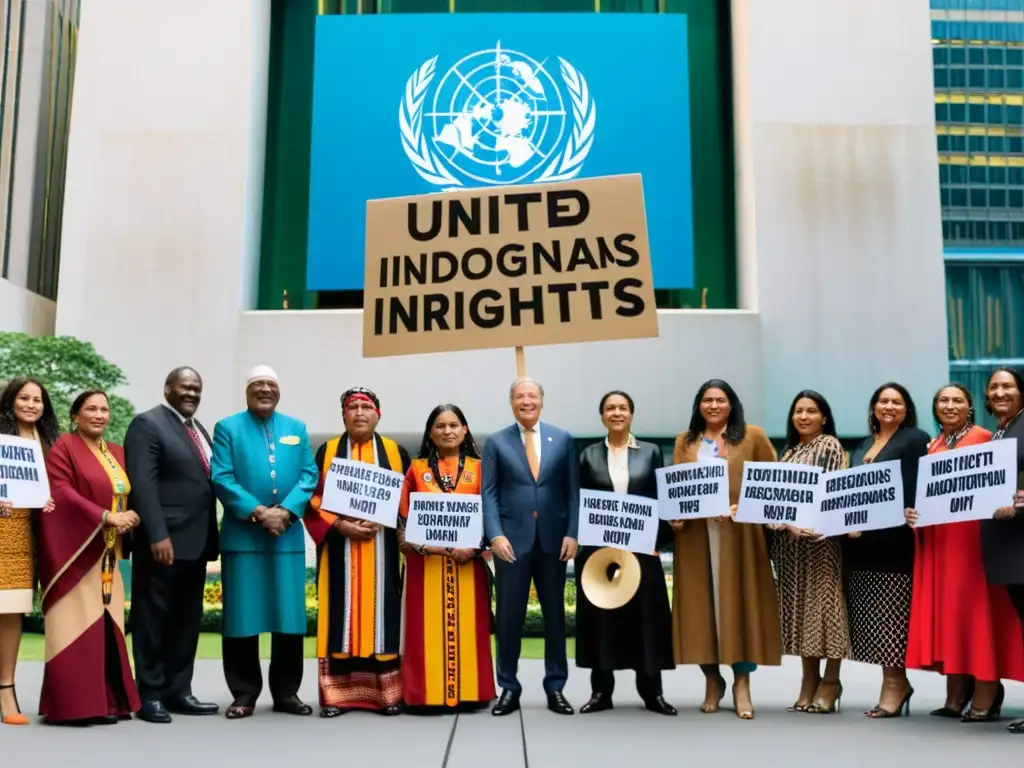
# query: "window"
979,198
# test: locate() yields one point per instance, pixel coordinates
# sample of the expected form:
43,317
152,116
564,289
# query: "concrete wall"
25,312
838,199
840,251
164,185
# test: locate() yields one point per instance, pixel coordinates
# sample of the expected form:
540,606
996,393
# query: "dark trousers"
245,677
512,584
167,607
647,686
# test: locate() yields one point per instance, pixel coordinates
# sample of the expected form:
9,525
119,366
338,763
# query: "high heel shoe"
708,709
819,708
15,718
956,712
879,713
742,714
986,715
798,707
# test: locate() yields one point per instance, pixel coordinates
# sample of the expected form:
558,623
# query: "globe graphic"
497,117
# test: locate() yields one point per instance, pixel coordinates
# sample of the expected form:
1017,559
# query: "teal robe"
263,578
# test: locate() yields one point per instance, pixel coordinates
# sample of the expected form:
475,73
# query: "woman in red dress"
960,626
87,679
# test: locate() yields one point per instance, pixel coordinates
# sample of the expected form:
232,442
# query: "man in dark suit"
531,495
168,456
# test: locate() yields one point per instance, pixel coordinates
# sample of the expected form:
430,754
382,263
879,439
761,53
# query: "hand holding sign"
364,492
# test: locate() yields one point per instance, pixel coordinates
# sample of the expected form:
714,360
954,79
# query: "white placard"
364,491
618,520
453,520
864,498
23,479
966,483
773,493
695,490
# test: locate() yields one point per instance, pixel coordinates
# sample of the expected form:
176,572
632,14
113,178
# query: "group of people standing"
403,627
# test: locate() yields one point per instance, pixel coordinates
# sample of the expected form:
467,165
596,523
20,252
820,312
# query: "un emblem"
496,117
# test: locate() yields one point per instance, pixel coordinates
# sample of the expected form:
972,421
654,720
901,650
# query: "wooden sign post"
520,363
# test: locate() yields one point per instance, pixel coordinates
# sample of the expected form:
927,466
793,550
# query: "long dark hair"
735,425
47,426
76,406
964,391
1017,377
828,426
911,418
427,448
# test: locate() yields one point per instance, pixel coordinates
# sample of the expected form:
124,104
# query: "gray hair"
525,380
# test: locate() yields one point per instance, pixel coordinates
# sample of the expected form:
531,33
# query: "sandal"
15,718
236,712
742,714
708,708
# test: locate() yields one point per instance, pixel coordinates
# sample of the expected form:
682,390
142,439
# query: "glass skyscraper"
978,55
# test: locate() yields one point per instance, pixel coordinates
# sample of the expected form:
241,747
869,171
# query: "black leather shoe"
599,702
106,720
190,705
153,712
659,705
558,704
394,709
507,704
329,712
292,705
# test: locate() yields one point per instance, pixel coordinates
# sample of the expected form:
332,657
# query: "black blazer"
1002,541
170,489
642,461
890,550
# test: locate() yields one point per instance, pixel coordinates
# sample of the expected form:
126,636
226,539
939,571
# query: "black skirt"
638,635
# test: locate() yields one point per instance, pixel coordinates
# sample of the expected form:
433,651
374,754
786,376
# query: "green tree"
67,367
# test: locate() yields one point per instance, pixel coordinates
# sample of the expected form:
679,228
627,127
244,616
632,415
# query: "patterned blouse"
823,451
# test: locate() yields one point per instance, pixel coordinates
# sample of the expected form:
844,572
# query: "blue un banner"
408,104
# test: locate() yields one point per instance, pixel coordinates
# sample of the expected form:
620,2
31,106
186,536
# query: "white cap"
259,372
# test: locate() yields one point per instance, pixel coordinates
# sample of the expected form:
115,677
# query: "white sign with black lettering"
693,491
618,520
364,491
864,498
445,520
966,483
779,494
23,479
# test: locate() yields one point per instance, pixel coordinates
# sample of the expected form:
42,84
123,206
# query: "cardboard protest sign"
966,483
618,520
774,493
23,479
693,491
864,498
508,266
364,491
445,520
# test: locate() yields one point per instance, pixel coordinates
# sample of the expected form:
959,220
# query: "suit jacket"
170,489
1002,541
244,477
642,461
511,495
890,550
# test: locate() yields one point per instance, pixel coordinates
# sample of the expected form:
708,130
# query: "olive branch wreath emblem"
566,164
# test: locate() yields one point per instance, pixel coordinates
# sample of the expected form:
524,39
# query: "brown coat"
749,609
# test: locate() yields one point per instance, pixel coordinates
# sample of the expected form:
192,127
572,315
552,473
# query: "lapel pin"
549,439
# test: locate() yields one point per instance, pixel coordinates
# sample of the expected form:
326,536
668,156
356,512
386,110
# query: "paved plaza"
625,737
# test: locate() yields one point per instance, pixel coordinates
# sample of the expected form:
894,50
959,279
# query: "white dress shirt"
535,435
207,448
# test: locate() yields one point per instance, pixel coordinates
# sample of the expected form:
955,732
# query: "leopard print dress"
809,574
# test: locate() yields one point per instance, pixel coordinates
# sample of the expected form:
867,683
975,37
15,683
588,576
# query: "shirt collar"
630,442
522,429
180,418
